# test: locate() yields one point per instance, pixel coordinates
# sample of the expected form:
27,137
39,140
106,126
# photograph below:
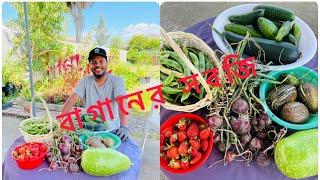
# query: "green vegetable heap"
272,33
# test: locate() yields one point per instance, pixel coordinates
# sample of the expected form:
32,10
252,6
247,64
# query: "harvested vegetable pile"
293,100
184,144
37,127
243,131
30,151
173,67
99,142
272,32
65,152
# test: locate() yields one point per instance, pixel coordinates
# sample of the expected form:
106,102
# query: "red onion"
71,160
240,126
264,120
240,106
66,138
255,144
53,166
64,149
261,121
262,135
245,138
215,121
66,157
74,168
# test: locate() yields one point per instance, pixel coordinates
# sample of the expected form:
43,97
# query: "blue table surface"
10,170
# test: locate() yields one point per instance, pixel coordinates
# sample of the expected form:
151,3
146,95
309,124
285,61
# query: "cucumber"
247,18
277,52
276,12
296,156
283,31
296,32
268,29
277,23
291,39
242,30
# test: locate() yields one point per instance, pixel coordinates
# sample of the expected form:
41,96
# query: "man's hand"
122,133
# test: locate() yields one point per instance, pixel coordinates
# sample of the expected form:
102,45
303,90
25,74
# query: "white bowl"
307,44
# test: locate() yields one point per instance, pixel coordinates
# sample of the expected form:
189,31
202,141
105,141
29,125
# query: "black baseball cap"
97,51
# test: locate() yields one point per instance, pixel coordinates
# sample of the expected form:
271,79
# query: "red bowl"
31,163
171,122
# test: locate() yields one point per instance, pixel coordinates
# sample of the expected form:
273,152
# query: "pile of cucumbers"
173,67
271,28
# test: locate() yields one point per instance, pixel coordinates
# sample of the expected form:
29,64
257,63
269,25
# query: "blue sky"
117,15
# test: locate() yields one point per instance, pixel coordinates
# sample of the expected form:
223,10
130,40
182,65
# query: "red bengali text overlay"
246,67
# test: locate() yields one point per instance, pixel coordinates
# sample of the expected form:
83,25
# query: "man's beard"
98,76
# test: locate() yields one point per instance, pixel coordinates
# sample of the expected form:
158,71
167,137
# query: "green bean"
167,98
165,56
171,64
185,96
194,59
170,90
169,71
174,83
202,62
163,76
195,51
208,63
163,53
174,56
185,50
201,92
168,80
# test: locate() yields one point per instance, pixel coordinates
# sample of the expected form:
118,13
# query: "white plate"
307,44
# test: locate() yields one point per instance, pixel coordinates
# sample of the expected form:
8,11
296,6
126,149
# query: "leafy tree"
141,49
45,23
76,9
116,42
140,42
101,34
